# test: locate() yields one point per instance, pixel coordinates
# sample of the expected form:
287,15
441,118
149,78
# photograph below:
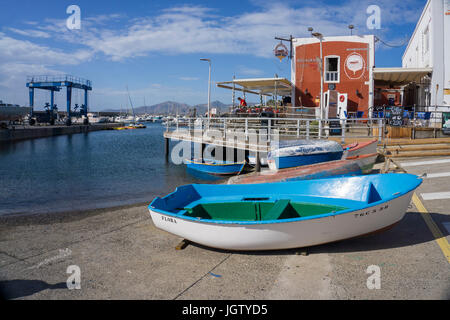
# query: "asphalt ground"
119,254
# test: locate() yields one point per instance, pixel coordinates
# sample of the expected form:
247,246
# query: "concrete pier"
33,132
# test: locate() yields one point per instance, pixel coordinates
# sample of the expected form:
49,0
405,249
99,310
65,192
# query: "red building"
341,64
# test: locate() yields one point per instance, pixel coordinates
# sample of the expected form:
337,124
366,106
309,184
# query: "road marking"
421,163
435,196
438,236
437,175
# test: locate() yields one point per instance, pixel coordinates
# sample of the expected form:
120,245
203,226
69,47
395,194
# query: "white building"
429,47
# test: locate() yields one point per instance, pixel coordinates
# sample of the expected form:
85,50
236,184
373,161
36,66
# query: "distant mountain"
172,107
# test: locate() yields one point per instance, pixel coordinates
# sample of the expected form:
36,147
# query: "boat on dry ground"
287,215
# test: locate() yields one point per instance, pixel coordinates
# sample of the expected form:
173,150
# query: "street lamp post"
209,90
320,37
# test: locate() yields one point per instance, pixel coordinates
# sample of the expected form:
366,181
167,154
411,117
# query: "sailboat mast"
131,103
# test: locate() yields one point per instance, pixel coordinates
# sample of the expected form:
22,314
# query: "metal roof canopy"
260,86
400,76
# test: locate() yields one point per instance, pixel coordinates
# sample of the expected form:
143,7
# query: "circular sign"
281,51
342,98
354,66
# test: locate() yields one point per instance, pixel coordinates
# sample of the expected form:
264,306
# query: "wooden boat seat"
281,210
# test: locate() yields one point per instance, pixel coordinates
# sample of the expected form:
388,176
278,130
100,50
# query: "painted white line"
435,196
437,175
421,163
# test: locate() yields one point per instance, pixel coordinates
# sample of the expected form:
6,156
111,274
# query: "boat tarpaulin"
288,148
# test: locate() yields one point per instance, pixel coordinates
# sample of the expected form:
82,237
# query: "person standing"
242,102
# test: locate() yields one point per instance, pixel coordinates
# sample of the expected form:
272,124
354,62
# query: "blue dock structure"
55,84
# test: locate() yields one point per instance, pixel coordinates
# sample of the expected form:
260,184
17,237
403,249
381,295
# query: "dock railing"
282,128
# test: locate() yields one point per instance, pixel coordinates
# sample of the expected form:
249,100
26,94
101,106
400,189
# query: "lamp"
351,27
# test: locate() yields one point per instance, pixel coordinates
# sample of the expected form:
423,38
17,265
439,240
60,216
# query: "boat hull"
216,169
278,163
341,168
366,161
287,235
362,148
273,216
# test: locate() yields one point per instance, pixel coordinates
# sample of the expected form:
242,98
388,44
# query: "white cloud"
246,71
30,33
24,51
189,78
194,29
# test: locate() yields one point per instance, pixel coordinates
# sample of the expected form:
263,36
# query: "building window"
332,67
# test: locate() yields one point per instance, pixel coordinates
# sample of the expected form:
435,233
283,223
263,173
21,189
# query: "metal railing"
282,128
59,78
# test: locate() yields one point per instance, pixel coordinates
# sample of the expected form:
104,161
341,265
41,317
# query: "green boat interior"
258,210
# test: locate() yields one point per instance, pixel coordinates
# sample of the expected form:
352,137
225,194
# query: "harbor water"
87,171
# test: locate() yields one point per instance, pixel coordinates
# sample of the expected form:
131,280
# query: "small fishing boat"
361,148
354,166
136,126
285,215
295,153
366,161
216,167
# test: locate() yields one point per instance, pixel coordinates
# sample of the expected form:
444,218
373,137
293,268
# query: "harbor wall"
16,134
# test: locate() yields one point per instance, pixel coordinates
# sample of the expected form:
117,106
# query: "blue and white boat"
216,167
285,215
296,153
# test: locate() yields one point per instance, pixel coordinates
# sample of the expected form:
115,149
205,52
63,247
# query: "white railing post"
307,129
246,128
225,128
298,128
380,129
320,128
269,131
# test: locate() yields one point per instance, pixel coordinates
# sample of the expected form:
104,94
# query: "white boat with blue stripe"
296,153
284,215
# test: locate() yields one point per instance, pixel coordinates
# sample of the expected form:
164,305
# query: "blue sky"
155,47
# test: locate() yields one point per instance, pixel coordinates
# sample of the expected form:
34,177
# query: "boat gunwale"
215,164
335,214
359,145
272,157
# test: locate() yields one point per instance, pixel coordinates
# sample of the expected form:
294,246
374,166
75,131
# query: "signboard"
281,51
354,66
446,122
342,105
396,117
